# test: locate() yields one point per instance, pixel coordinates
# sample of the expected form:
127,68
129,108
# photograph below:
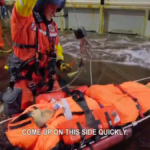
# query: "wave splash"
122,49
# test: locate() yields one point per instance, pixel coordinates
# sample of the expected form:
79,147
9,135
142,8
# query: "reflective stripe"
60,58
44,32
21,2
51,34
59,52
67,111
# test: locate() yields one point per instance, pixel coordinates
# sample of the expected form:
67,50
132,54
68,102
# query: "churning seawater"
121,49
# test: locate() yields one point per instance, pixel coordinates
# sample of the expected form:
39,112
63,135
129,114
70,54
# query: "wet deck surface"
115,59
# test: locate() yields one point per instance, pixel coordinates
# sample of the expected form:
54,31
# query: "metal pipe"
136,122
95,4
109,3
142,79
101,17
106,7
81,2
62,20
128,4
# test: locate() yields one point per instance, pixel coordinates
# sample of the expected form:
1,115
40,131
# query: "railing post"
101,17
62,20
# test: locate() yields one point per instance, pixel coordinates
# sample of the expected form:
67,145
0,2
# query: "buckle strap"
12,82
134,99
82,136
63,84
23,46
109,120
32,87
78,97
31,84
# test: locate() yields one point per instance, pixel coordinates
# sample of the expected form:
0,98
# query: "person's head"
49,7
49,11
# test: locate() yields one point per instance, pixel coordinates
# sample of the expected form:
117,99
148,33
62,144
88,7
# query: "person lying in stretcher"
74,112
91,109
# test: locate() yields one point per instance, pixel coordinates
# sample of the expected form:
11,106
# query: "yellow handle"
6,67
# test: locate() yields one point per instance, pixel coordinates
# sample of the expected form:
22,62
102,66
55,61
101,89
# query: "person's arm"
21,15
59,50
61,65
59,53
3,8
24,7
2,3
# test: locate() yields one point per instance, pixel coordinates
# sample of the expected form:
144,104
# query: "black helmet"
40,4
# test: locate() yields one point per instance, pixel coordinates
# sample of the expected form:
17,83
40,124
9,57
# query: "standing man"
36,52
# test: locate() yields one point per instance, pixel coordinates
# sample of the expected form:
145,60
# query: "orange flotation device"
20,125
139,93
85,112
102,116
127,97
46,98
148,84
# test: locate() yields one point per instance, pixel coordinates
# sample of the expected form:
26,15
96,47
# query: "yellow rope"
6,51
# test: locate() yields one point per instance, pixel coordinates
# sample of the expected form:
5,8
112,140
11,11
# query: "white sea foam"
122,49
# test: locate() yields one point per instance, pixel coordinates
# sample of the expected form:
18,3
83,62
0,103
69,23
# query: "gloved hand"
4,11
65,67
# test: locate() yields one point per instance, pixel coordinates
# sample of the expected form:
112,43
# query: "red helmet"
42,3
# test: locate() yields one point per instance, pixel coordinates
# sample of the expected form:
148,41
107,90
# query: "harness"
134,99
37,58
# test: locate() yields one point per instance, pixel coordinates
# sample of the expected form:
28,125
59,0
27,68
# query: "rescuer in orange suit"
36,52
3,13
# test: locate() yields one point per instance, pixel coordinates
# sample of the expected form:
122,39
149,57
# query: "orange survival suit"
2,3
74,112
36,52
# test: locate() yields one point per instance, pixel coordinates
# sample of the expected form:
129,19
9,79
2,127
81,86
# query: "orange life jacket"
86,112
127,97
148,84
139,93
20,126
25,47
104,116
1,39
109,94
46,98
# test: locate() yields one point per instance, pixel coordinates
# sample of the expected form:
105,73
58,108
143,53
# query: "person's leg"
1,39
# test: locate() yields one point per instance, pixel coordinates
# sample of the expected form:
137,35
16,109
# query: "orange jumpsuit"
36,51
1,40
